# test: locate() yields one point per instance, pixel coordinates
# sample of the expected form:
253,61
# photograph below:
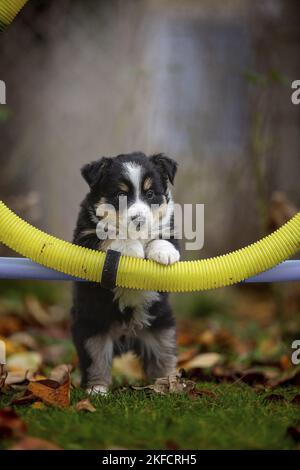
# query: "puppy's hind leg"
158,352
95,354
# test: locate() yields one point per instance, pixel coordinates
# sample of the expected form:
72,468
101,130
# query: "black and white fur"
110,322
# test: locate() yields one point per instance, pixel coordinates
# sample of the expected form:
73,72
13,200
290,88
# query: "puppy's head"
134,187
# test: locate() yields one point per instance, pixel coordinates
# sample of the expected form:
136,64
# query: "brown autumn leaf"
274,397
85,405
61,373
170,384
23,361
11,425
24,398
34,443
294,432
14,378
255,376
51,392
289,378
217,374
56,390
221,374
21,377
205,360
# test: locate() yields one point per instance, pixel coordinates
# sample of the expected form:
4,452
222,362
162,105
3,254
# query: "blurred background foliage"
206,82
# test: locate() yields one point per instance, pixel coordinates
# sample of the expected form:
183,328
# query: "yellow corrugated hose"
8,11
136,273
184,276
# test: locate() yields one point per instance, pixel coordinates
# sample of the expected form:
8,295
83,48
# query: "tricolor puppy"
128,209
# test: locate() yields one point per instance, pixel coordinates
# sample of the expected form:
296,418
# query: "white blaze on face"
138,208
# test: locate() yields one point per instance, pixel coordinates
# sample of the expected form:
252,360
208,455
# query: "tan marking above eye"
147,184
123,187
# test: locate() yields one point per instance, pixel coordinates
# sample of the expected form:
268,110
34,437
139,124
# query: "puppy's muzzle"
138,220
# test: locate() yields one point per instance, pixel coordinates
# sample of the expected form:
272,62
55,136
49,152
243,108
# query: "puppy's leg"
95,354
128,247
162,251
158,352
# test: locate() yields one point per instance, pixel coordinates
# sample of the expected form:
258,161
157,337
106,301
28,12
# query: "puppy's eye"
150,194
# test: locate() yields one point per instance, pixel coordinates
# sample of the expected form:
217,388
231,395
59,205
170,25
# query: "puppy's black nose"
138,220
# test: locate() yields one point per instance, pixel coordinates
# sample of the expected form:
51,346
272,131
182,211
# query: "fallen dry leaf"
205,360
25,398
24,361
51,392
34,443
254,377
11,425
85,405
169,384
56,390
61,373
292,378
18,377
274,397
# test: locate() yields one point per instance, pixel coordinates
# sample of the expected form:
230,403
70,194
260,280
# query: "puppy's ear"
94,171
166,166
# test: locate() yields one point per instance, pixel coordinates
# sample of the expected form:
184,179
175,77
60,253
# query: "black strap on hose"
110,269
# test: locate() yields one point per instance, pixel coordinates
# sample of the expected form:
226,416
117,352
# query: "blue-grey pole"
23,268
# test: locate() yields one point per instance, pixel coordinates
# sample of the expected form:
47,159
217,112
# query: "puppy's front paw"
163,252
98,390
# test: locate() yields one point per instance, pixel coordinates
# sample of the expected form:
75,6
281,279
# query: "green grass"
238,417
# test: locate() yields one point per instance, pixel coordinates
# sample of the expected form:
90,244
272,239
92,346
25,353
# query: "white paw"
98,390
163,252
127,247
